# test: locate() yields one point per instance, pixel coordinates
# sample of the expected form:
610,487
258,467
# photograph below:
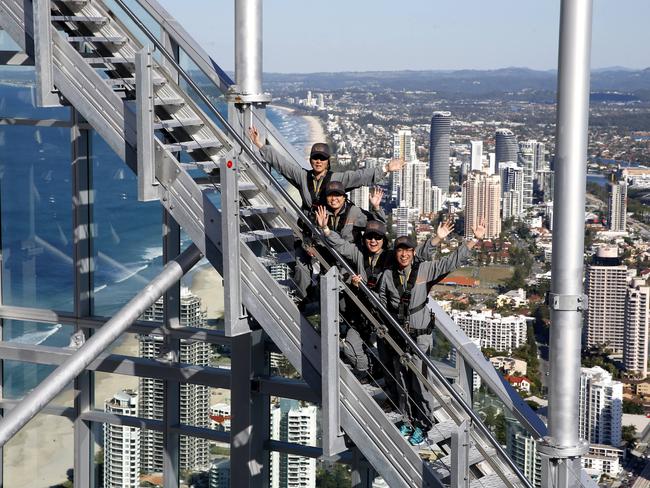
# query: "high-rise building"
437,199
401,220
635,334
321,101
506,148
546,183
526,159
618,206
404,145
482,196
493,330
439,150
427,202
195,399
413,175
512,187
601,407
220,473
492,161
606,289
291,422
476,155
359,196
122,444
522,448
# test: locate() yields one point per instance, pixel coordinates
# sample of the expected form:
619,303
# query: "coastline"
316,127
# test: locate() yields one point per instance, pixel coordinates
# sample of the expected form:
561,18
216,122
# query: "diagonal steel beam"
56,382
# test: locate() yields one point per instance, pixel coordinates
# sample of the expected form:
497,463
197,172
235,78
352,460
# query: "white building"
122,444
195,399
437,199
493,330
606,288
618,206
512,189
476,158
220,473
294,423
601,407
401,220
220,417
635,334
522,448
359,196
528,159
603,460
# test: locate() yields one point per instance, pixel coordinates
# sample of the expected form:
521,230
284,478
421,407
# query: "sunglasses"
373,237
319,157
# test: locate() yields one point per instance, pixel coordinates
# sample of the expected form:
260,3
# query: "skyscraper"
522,447
437,199
601,407
512,186
606,288
291,422
482,196
401,220
526,159
618,206
403,145
122,444
195,399
427,203
476,155
506,148
439,150
220,473
413,176
635,343
359,196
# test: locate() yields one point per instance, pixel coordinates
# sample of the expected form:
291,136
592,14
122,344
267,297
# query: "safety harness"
405,291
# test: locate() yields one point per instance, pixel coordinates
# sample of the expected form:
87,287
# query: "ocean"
35,188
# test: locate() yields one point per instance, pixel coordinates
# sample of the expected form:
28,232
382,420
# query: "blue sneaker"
405,430
417,437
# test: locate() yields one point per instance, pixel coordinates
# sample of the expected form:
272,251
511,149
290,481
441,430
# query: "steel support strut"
56,382
562,449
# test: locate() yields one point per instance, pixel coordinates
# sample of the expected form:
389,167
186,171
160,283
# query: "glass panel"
40,454
35,197
128,248
142,15
203,285
20,377
18,95
206,85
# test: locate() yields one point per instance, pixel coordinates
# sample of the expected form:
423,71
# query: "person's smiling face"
374,242
335,201
319,163
404,256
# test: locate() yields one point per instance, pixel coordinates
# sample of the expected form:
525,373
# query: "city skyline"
406,39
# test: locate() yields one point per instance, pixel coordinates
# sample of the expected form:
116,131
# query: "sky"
306,36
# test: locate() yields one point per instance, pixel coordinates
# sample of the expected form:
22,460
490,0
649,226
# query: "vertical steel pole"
248,46
563,446
83,200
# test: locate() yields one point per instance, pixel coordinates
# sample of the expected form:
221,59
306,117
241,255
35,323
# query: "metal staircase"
101,64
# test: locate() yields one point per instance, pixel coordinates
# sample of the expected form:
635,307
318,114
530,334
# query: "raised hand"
395,165
356,279
255,137
321,216
480,229
444,229
375,197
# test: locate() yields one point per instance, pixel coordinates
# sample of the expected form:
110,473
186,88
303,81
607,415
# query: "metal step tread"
492,480
169,101
193,145
280,258
97,19
262,235
442,431
101,39
110,60
174,123
250,210
442,466
157,81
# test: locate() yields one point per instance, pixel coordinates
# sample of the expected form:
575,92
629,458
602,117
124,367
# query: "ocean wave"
36,338
151,253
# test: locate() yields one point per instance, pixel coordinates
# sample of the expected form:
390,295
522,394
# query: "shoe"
417,437
405,430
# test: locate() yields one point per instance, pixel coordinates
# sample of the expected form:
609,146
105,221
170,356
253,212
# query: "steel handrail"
340,260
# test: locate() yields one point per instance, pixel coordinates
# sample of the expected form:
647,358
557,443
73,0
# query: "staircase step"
492,480
193,145
81,19
443,465
206,166
157,81
263,235
248,211
75,3
169,101
99,39
442,431
172,124
109,60
280,258
210,186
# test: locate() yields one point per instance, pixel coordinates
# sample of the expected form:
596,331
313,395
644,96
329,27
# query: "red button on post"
229,164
